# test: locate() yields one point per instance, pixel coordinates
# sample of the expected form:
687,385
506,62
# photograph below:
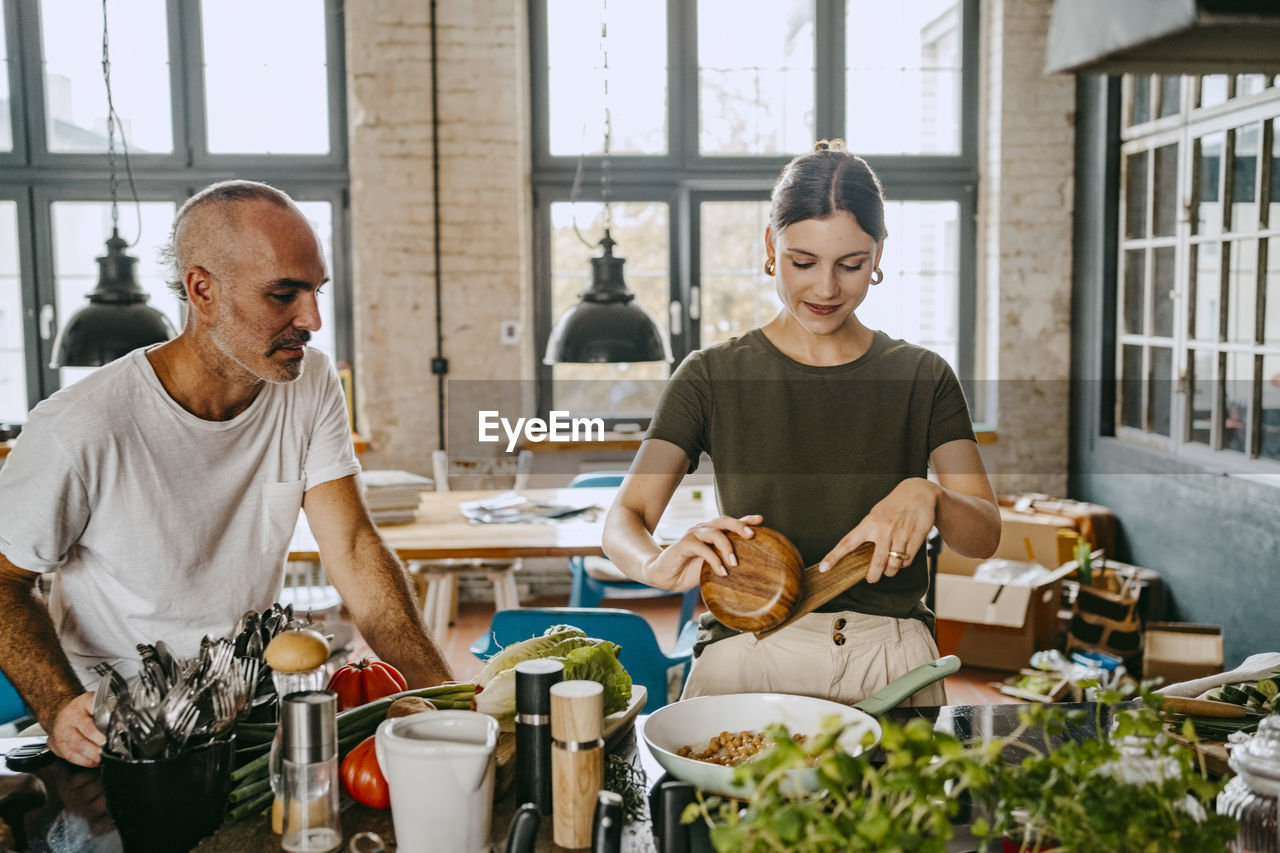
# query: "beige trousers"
844,657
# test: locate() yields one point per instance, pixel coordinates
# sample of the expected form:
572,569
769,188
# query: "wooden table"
442,532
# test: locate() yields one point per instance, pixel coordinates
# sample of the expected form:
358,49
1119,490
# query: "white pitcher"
439,766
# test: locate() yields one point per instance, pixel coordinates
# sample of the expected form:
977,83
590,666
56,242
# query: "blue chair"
644,659
596,578
11,707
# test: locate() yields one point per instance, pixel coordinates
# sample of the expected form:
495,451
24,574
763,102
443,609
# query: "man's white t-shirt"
159,524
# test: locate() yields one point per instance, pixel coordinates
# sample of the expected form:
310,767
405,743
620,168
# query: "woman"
823,429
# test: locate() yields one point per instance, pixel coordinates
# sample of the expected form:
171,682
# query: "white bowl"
693,722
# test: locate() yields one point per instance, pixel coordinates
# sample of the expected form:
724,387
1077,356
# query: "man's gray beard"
226,351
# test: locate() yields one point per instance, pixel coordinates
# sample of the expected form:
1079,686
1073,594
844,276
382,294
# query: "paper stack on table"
392,495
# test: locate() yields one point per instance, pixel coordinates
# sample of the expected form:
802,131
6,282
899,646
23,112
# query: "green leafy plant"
1135,790
908,803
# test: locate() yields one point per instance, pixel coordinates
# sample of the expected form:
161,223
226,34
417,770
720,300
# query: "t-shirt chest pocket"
280,505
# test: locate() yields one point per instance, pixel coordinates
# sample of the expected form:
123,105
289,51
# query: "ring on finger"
901,556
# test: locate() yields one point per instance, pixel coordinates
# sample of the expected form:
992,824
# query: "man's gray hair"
221,197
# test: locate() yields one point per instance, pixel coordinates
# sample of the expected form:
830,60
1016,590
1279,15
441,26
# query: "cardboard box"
996,626
1181,651
1022,537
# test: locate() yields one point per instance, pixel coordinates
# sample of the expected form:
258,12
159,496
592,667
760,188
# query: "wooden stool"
439,590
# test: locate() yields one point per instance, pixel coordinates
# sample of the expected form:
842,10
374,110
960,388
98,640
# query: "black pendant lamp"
117,319
607,324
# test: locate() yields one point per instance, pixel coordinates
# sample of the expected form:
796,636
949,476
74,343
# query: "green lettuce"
583,657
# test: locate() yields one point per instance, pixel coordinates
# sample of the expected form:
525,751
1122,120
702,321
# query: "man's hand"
74,735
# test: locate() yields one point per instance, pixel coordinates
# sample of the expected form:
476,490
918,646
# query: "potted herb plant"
1135,789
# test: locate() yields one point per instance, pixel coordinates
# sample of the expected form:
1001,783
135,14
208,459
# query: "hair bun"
830,145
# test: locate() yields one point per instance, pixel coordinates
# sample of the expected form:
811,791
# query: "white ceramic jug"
439,766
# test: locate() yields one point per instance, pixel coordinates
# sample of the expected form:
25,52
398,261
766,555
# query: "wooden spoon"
770,587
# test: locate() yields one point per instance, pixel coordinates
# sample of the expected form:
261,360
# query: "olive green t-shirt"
813,449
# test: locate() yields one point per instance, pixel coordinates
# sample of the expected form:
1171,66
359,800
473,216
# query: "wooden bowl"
762,590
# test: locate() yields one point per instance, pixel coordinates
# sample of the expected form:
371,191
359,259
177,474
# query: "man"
163,489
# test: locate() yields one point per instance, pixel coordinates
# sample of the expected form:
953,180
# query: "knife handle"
523,834
672,798
606,824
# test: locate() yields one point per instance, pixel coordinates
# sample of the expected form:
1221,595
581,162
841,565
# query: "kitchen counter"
73,818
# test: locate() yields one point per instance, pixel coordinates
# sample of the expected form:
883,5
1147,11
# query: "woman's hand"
898,525
679,565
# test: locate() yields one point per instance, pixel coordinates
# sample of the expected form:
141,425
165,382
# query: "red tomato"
361,682
362,778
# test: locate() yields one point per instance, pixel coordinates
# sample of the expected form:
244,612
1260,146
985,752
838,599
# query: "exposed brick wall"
484,199
1024,251
1024,271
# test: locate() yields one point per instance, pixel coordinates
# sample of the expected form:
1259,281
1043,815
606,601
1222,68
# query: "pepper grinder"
577,759
305,772
534,679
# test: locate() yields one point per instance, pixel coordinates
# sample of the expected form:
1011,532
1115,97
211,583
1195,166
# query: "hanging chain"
606,188
113,120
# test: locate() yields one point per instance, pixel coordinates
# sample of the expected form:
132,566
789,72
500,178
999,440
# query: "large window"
707,101
1198,315
204,91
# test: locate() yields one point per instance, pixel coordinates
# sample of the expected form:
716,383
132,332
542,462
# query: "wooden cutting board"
616,726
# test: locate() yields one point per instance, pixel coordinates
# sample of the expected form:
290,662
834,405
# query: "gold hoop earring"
769,266
877,275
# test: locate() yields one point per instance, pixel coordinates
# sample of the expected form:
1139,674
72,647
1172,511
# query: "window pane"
13,365
1134,291
1244,179
903,81
1166,190
1135,195
320,215
266,89
1213,90
1162,287
1273,190
755,84
1208,168
1140,105
1242,291
1201,382
74,94
6,129
736,294
1271,329
1170,95
1237,401
1250,84
642,233
1271,407
80,231
922,260
1161,389
1207,258
1131,387
636,43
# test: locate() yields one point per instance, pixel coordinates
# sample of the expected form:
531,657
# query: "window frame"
36,177
688,178
1187,127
